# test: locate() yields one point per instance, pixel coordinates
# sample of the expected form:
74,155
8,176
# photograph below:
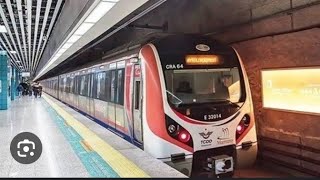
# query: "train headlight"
177,132
246,120
184,136
240,129
172,128
243,125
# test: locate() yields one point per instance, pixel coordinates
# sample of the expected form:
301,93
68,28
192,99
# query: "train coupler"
220,166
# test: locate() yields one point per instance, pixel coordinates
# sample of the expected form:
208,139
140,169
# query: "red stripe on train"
154,103
128,98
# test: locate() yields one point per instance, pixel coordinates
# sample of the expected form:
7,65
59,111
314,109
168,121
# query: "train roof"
165,42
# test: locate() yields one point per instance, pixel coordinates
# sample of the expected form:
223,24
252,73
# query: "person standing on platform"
40,90
35,88
20,89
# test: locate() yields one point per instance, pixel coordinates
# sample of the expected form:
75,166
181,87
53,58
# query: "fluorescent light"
110,1
99,11
67,45
62,50
13,52
3,29
58,54
83,28
73,38
52,60
55,58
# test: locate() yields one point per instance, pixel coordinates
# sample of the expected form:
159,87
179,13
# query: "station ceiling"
25,29
123,24
207,17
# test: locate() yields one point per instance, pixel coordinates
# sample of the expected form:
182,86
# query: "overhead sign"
25,74
292,89
202,60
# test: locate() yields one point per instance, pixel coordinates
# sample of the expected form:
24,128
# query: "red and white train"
184,99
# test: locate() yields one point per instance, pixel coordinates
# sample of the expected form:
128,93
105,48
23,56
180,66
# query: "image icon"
26,148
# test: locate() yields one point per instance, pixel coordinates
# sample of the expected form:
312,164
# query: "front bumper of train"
242,157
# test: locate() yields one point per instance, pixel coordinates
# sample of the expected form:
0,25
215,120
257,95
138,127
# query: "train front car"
197,106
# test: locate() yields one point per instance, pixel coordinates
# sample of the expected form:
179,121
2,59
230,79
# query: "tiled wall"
4,101
292,50
13,83
17,81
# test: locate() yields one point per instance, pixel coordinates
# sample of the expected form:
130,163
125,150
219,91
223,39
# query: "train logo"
203,47
225,138
206,134
225,134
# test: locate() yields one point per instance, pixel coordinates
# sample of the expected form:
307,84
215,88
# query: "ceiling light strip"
95,15
6,48
9,44
53,19
43,26
4,19
13,21
152,7
19,7
39,2
29,13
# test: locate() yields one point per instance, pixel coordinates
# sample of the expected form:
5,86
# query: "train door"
76,92
91,101
112,104
137,105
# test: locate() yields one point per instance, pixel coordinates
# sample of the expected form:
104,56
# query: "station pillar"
5,81
13,83
17,80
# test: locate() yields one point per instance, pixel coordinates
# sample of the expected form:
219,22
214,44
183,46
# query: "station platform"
75,146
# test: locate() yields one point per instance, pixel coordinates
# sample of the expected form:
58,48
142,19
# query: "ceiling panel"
28,24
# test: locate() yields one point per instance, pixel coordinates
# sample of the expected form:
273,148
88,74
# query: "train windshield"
194,86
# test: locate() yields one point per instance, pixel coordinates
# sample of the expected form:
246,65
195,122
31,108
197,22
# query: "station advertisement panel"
292,89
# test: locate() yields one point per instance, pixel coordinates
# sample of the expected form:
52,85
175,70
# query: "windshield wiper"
175,97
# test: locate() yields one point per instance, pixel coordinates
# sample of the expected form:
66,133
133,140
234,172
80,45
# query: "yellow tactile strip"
120,164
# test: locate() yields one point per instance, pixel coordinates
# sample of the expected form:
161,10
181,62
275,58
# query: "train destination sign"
202,60
292,89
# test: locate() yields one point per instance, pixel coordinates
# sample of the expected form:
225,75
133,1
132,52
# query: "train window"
108,86
113,83
79,84
71,84
94,86
60,85
64,84
84,85
87,83
91,77
68,85
137,94
100,91
120,86
203,85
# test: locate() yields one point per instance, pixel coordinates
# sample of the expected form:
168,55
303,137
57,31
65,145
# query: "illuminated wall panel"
292,89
